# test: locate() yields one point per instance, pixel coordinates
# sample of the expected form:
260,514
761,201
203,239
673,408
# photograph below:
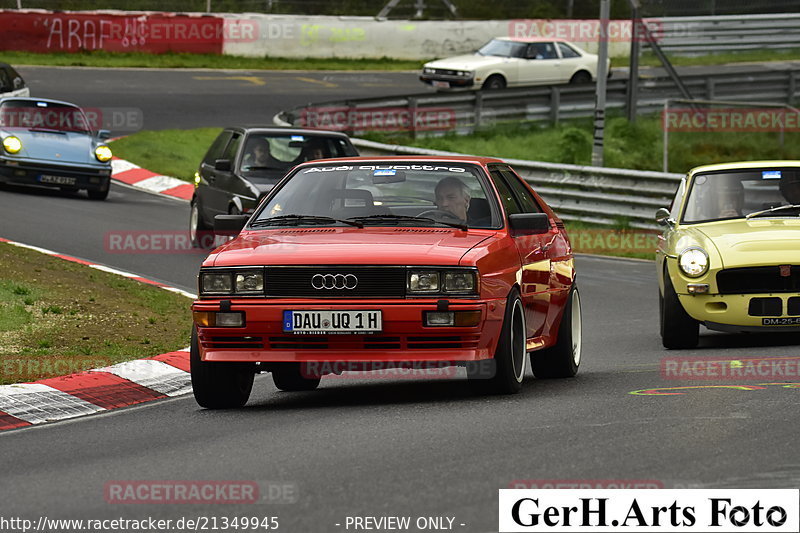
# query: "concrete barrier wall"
256,35
366,37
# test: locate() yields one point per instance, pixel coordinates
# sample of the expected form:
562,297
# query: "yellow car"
729,257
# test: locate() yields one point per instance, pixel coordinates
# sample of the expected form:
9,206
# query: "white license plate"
788,321
58,180
441,84
332,321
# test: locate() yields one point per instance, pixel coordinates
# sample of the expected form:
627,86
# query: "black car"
244,163
11,83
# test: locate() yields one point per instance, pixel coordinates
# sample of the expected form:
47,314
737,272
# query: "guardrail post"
709,88
412,114
792,87
555,104
478,109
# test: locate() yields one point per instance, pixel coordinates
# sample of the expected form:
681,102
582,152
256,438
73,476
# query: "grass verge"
174,153
635,146
58,317
179,60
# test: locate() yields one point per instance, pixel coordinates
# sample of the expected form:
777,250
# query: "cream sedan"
509,62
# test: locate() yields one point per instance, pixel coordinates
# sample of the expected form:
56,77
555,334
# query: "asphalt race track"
380,447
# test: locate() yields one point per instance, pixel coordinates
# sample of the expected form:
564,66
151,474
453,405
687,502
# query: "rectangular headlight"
423,281
216,283
460,282
249,282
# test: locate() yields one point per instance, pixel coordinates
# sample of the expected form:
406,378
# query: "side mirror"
663,217
229,224
529,223
103,134
223,165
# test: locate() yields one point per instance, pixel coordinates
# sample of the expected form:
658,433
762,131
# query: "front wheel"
494,82
218,385
504,373
199,231
678,329
563,358
291,378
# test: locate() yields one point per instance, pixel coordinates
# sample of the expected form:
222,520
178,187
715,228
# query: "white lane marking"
37,403
160,183
155,375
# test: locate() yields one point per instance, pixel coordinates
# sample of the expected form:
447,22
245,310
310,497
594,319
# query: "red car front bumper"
403,338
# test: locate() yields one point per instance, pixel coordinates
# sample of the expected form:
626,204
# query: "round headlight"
12,144
102,153
693,262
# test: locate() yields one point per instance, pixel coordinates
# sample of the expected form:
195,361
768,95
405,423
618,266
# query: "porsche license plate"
57,180
325,322
788,321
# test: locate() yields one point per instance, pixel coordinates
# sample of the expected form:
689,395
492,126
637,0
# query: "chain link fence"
433,9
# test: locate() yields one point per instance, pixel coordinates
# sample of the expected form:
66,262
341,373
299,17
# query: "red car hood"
347,246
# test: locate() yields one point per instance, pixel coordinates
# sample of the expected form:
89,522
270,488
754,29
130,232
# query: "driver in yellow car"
452,195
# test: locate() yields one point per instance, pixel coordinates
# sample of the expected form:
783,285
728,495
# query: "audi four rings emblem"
334,281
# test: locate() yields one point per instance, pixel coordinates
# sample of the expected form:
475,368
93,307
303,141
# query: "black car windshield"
743,193
502,48
41,115
384,194
267,156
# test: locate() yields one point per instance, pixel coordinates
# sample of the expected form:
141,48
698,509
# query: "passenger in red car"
453,196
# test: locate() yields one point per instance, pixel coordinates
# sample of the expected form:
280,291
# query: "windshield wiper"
404,218
299,219
772,210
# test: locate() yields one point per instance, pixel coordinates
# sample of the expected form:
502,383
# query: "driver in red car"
453,196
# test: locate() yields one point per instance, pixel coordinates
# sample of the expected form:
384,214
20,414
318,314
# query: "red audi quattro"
364,263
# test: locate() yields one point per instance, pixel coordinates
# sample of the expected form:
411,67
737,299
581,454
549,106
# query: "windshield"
268,156
497,47
43,115
736,194
382,194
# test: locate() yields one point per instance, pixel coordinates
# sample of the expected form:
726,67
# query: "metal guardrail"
701,35
463,112
589,194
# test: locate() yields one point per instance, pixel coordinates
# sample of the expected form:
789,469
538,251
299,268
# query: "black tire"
563,359
581,77
102,194
199,231
504,373
678,329
289,377
494,82
219,385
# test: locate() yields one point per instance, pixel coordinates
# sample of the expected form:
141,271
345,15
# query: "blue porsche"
53,144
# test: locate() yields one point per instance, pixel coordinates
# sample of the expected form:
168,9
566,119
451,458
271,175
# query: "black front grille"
753,280
373,282
765,307
793,307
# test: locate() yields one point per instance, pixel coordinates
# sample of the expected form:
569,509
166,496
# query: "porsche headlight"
102,153
693,262
12,144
